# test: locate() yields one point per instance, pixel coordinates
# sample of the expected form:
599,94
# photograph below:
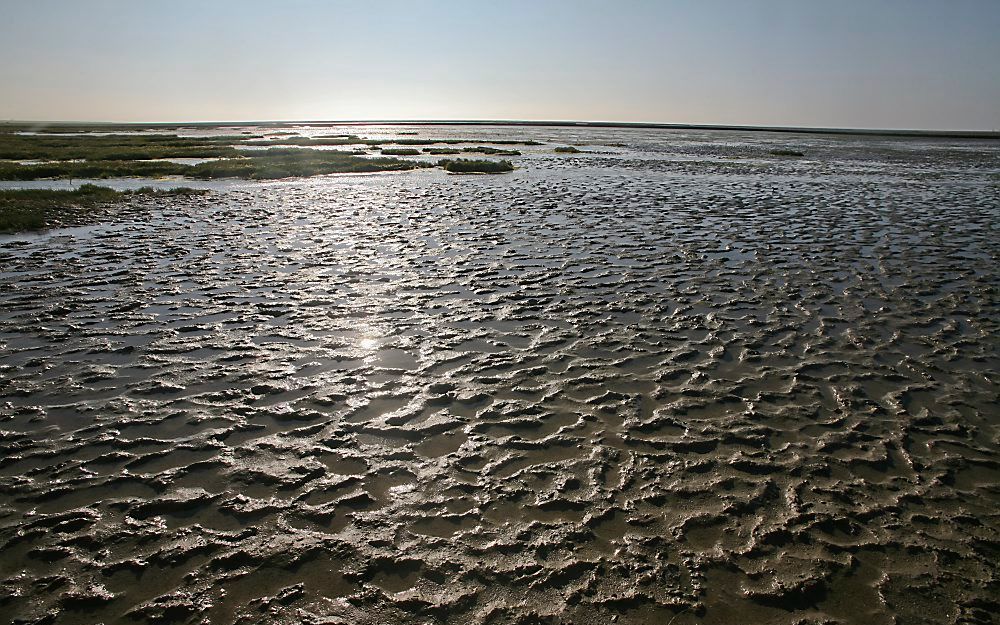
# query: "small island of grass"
400,151
484,149
567,149
468,166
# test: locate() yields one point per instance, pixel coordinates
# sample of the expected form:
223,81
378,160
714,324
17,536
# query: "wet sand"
672,379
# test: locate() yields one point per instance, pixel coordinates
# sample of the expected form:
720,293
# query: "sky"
921,64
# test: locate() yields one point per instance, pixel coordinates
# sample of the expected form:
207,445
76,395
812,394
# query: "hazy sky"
862,63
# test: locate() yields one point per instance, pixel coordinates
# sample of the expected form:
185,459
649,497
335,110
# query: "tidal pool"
671,379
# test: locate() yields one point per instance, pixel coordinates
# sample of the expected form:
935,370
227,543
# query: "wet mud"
627,386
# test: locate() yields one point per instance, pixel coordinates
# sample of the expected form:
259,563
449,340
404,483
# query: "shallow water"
672,380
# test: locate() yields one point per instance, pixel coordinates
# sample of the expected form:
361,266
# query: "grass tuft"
467,166
787,153
482,149
400,151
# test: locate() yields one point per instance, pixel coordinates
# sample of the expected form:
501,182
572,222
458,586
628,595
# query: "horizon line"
897,132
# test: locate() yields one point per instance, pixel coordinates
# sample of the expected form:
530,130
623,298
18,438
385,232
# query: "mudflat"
671,376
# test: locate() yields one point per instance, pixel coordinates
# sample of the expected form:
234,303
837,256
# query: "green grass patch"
34,209
476,150
786,153
113,147
260,165
510,142
307,141
287,163
567,149
91,169
449,141
400,151
467,166
483,149
356,140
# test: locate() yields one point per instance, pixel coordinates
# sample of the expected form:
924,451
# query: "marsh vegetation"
356,140
271,164
267,164
786,152
400,151
92,147
482,149
307,141
468,166
28,155
34,209
91,169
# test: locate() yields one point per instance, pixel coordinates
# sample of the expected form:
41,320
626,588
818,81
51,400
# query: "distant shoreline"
934,134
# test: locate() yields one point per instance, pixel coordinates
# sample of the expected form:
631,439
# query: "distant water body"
886,132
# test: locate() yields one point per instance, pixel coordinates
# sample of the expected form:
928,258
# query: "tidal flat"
677,377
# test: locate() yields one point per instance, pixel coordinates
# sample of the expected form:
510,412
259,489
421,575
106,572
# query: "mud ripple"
606,389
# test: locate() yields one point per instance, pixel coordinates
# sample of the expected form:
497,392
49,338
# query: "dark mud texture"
625,386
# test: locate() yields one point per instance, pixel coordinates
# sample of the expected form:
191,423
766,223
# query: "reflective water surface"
673,379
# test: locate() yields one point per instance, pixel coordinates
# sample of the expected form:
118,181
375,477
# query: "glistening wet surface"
672,380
